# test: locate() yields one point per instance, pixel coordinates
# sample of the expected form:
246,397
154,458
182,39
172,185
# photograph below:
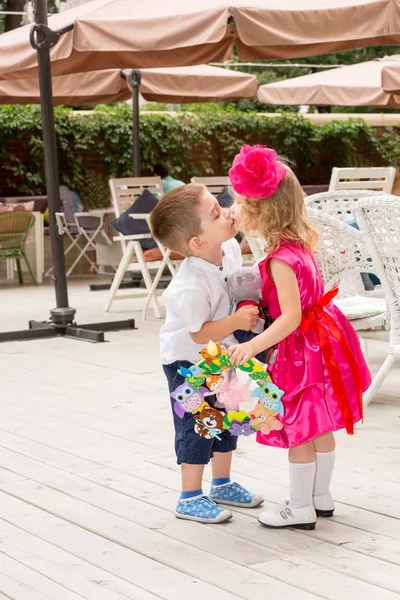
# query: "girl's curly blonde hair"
280,217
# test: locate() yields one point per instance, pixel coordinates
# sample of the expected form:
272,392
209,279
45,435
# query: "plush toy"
229,391
244,287
187,399
262,419
209,423
270,397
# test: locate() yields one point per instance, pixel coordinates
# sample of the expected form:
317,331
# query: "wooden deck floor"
88,483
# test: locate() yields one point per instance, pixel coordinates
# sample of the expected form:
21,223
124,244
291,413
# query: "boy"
189,220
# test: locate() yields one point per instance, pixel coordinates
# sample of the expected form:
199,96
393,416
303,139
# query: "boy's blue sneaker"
203,510
235,495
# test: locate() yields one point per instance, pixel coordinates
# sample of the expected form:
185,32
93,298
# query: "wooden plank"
81,577
195,590
87,448
315,578
215,570
107,555
7,476
23,583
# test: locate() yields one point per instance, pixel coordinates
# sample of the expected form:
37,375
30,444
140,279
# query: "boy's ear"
197,244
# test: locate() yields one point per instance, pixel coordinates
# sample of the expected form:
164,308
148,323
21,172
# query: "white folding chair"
379,221
215,185
81,228
365,178
124,193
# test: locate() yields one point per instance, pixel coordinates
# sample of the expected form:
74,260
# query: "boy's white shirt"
197,294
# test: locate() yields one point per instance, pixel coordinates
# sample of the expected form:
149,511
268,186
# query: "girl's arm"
290,319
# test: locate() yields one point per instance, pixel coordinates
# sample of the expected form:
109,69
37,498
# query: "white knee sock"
302,477
324,470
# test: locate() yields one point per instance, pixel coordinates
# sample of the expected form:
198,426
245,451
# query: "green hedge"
97,145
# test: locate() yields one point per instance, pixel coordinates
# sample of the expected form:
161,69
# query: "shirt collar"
195,261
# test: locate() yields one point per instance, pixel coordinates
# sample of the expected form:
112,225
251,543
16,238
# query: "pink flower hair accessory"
256,171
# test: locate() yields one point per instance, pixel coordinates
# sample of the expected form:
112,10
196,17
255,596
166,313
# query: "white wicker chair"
339,260
379,221
340,204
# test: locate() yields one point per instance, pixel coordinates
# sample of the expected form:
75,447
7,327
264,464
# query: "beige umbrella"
201,83
355,85
106,34
391,77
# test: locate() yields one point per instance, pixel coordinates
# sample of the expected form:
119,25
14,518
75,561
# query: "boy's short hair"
175,220
162,170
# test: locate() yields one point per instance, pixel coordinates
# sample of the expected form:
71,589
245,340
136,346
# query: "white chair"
340,260
342,204
81,228
124,193
339,204
379,221
365,178
215,185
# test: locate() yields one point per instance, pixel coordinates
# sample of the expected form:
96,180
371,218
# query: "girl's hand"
241,353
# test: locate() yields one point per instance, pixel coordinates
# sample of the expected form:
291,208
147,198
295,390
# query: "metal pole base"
93,332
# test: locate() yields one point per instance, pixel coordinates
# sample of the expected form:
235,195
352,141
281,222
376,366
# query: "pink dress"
324,349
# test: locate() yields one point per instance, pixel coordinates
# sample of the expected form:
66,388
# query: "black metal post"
134,79
45,39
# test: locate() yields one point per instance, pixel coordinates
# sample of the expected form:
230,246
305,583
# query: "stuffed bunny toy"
244,287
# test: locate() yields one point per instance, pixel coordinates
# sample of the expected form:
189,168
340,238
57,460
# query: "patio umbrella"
105,34
355,85
391,77
117,33
200,83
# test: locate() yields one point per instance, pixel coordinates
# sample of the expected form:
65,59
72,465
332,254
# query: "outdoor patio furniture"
379,179
14,229
379,221
342,204
81,228
124,193
338,257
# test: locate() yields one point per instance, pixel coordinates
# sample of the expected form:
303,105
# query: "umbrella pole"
134,79
62,317
42,44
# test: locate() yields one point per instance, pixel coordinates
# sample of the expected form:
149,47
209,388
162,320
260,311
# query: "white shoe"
324,505
283,516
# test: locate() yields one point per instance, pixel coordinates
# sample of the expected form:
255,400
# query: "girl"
319,362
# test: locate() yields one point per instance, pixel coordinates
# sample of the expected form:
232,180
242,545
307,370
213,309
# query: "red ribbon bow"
322,322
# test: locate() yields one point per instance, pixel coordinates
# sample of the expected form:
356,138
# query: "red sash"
323,325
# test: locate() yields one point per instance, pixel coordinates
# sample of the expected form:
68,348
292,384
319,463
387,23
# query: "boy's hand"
246,318
241,353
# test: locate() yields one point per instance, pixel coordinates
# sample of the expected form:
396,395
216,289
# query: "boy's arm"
245,318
